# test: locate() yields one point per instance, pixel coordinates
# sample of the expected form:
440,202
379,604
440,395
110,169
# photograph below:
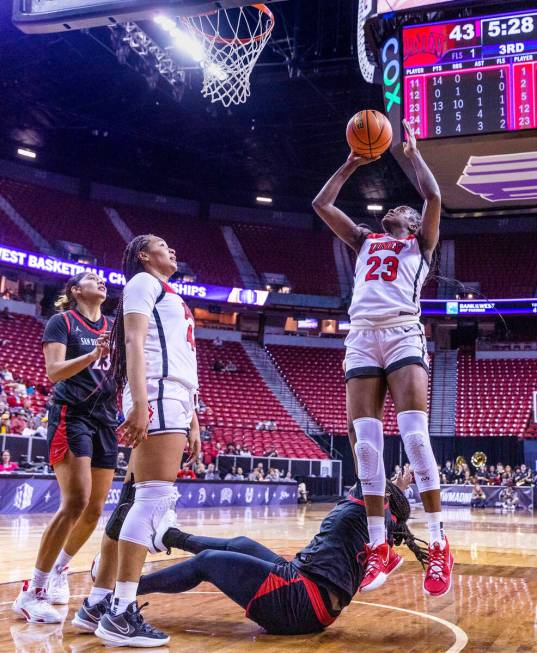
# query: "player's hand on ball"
134,429
409,146
102,348
356,160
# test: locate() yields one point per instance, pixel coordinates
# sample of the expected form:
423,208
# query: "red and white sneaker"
438,575
380,562
34,605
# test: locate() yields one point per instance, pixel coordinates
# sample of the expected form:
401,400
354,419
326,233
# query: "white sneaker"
35,606
168,520
58,587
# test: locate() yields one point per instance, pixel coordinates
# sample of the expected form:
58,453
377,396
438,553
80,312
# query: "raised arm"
430,226
335,218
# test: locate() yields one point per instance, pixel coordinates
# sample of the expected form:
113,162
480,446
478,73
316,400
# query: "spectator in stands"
509,499
121,464
6,375
41,431
523,477
467,478
244,451
186,472
234,475
273,476
478,497
271,453
18,423
481,475
231,367
257,474
449,472
289,478
218,342
203,408
211,474
199,469
205,434
493,476
5,423
218,365
505,479
7,466
230,449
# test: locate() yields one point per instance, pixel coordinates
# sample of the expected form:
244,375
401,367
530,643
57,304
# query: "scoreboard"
471,76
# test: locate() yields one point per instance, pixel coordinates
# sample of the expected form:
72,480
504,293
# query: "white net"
232,40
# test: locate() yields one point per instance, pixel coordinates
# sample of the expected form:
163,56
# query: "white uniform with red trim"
386,332
170,353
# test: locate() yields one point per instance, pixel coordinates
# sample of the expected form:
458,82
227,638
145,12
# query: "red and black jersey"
333,558
87,391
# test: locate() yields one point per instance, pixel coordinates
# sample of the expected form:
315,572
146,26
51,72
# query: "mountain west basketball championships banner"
23,496
52,265
461,495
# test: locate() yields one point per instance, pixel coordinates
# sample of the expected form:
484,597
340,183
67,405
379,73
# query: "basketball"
369,133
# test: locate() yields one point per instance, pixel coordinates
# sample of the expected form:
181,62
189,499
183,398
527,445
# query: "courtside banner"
52,265
461,495
19,495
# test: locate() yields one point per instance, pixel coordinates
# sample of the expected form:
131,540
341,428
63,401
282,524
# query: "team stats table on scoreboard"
471,76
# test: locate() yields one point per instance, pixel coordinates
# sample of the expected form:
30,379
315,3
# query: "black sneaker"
129,629
88,617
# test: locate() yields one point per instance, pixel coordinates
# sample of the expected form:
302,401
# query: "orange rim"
219,39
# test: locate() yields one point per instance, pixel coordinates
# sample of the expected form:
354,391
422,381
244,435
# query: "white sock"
39,579
377,531
62,561
97,594
124,595
436,529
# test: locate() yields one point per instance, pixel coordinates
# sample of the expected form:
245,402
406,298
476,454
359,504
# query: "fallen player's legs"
237,575
176,539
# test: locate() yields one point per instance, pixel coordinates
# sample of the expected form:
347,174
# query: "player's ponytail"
66,300
400,509
131,265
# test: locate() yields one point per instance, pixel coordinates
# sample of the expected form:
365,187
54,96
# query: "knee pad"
116,519
369,447
152,500
414,431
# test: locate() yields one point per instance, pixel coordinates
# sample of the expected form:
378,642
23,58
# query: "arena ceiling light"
25,153
374,207
263,199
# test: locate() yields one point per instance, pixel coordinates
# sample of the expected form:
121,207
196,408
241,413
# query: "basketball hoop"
232,40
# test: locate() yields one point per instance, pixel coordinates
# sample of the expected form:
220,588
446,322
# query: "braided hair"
400,508
130,265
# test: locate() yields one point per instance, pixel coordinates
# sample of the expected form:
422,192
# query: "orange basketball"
369,133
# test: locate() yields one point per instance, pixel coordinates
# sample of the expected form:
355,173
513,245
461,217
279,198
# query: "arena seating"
494,396
505,266
22,353
63,216
305,257
11,235
238,400
316,377
200,244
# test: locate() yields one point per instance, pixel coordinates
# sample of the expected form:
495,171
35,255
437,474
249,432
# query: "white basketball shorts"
171,406
381,351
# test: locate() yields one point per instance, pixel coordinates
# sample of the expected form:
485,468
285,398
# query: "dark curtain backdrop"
508,450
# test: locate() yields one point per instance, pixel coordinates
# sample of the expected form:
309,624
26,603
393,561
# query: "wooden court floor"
491,608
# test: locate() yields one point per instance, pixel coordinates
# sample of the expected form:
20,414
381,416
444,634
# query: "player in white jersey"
154,362
386,349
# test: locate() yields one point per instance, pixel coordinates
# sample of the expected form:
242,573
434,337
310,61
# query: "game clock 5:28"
509,29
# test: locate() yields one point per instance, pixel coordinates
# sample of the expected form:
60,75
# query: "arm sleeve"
56,330
140,294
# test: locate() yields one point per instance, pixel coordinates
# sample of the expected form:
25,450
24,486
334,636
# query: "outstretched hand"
409,146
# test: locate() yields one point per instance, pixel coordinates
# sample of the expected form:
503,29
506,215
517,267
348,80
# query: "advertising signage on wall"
52,265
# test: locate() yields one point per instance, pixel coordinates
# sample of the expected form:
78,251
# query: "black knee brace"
116,519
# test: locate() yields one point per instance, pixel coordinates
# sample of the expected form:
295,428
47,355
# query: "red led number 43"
379,269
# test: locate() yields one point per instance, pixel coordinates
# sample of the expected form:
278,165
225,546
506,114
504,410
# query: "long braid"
131,265
400,508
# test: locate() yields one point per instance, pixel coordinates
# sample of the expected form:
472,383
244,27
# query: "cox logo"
392,73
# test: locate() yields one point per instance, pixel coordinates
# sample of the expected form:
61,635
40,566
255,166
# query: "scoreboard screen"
471,76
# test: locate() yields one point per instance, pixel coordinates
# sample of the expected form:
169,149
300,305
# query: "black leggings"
236,566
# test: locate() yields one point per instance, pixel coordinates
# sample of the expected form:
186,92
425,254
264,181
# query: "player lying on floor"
284,597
